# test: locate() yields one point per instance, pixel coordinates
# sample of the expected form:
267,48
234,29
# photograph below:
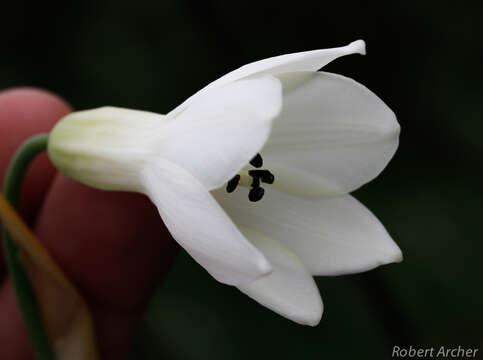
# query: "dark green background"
424,60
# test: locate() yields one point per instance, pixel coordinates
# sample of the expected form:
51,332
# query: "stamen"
255,173
256,194
255,182
268,177
257,161
264,175
233,183
252,179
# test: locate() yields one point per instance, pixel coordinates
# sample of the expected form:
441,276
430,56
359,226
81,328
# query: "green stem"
20,280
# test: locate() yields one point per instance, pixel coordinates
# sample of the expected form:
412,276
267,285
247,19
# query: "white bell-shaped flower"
318,136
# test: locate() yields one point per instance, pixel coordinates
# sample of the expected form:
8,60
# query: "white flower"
320,136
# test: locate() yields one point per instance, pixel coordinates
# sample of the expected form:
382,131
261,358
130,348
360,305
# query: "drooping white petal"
218,134
289,289
301,61
332,136
332,236
200,225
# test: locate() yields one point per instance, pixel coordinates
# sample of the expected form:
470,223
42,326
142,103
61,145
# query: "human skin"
113,246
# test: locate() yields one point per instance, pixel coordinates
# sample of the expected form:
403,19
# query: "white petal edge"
332,136
300,61
220,133
332,236
289,289
200,225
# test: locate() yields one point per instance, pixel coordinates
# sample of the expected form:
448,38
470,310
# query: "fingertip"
14,342
112,245
31,99
24,112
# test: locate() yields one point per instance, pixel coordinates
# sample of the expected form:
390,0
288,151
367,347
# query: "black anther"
255,182
256,194
256,173
264,175
257,161
268,177
233,183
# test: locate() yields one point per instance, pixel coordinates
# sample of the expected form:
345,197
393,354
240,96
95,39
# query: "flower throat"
252,179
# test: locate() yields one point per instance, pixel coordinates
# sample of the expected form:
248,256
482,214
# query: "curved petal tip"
396,256
311,317
358,46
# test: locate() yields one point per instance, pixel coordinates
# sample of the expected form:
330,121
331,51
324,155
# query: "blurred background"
424,60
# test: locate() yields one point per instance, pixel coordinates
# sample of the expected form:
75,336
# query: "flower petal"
332,236
218,134
332,136
104,147
301,61
290,289
201,226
